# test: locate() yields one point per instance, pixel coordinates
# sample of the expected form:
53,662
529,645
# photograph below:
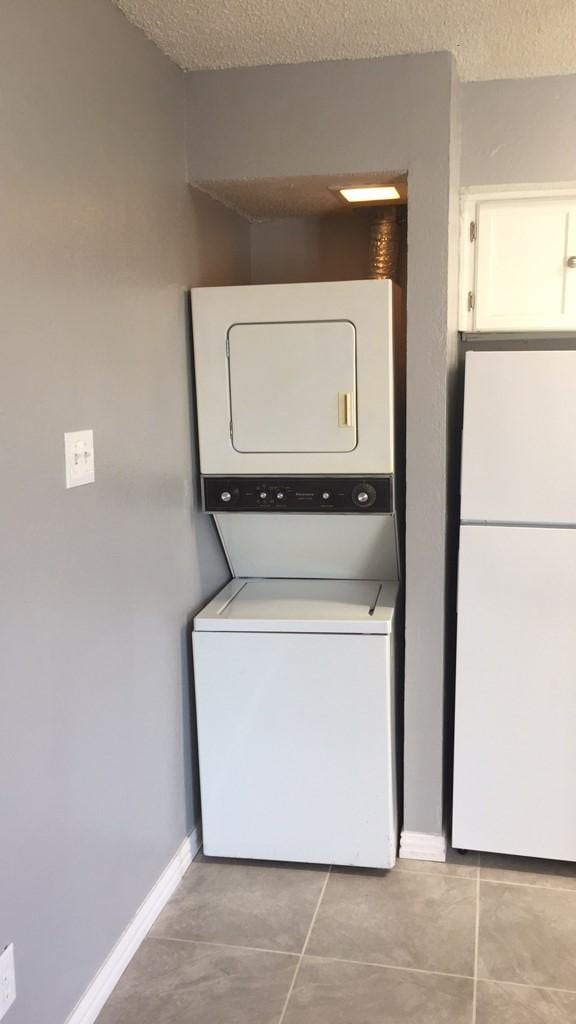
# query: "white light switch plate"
79,456
7,980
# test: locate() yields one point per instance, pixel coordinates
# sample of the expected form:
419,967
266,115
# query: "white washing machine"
293,660
295,706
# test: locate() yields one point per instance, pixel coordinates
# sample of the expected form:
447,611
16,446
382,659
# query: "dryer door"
293,386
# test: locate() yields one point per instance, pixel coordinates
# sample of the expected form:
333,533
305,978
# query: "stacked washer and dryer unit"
293,659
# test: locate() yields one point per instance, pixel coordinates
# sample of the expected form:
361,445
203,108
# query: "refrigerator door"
515,749
519,439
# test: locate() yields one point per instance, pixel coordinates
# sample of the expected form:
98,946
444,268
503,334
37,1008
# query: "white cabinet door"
521,277
515,749
296,739
293,386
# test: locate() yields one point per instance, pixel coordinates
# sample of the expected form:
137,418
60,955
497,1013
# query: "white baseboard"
422,846
90,1004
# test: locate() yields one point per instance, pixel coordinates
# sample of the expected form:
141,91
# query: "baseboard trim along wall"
90,1004
422,846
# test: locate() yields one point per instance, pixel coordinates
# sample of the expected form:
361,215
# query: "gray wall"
328,248
97,583
519,130
331,118
284,250
220,252
332,247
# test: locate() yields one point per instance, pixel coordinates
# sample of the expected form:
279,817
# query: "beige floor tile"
188,983
463,865
202,858
527,935
243,905
513,1004
402,919
334,993
497,867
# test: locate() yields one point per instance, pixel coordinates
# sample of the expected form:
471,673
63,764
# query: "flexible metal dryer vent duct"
384,243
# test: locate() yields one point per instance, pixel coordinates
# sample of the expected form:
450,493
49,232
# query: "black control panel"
298,494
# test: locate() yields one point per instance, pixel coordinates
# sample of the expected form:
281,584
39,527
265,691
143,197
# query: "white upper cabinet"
518,262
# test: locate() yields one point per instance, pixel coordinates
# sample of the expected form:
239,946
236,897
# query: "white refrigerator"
515,728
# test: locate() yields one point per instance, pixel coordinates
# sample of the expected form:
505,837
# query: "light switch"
79,457
7,980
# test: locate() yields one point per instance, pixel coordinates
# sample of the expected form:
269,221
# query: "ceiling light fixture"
369,193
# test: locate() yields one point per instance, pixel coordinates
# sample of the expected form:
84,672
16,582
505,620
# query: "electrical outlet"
79,456
7,980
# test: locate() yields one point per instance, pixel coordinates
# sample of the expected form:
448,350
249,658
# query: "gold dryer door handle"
345,409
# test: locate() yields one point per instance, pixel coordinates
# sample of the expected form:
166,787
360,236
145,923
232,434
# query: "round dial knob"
364,495
263,495
229,496
326,495
280,495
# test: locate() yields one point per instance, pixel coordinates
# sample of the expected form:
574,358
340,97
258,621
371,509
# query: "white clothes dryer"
295,379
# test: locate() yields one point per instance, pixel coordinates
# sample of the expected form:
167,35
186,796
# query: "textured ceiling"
269,198
489,38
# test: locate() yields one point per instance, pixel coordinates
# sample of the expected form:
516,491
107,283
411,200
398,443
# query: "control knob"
229,496
364,495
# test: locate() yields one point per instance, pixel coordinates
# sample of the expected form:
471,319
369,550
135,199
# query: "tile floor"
478,940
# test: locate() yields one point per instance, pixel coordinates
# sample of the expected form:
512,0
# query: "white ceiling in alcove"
271,198
489,38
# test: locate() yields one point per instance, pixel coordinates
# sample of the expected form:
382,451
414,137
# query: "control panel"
298,494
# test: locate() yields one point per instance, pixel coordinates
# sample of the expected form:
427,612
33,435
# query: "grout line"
526,885
315,914
525,984
389,967
476,948
363,963
306,940
222,945
311,956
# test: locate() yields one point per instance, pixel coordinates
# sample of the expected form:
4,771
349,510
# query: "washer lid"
300,606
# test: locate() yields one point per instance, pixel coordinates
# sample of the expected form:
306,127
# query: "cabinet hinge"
227,348
230,429
473,231
470,301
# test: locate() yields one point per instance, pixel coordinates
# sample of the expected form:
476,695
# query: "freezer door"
515,749
296,746
519,440
293,386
